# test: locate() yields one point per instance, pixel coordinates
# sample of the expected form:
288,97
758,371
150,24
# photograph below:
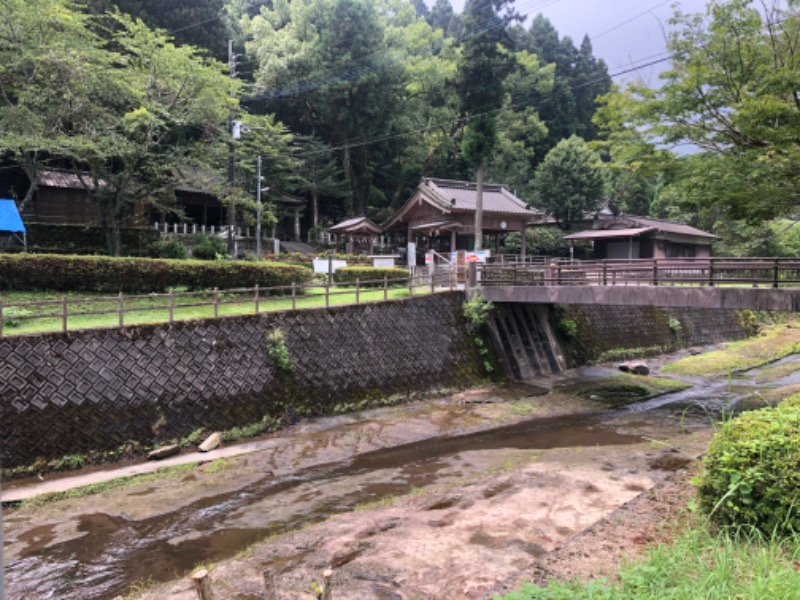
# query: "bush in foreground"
139,275
372,275
751,476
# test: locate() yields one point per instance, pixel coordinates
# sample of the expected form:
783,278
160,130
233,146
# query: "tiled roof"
596,234
667,226
461,196
357,224
69,180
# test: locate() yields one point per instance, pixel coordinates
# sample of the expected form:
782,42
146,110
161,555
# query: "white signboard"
412,254
321,265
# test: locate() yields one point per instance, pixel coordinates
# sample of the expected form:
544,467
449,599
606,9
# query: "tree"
568,183
732,95
328,69
483,67
320,176
55,81
167,103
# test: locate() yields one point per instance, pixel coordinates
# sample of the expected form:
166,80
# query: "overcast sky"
621,31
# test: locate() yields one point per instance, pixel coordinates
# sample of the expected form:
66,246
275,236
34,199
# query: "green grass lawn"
773,343
698,564
140,310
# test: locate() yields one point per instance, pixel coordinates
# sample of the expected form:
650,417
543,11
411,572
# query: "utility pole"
231,161
259,189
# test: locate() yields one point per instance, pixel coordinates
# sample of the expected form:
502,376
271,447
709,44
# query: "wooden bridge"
740,283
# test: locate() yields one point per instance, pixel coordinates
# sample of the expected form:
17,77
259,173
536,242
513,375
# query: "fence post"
711,272
514,274
433,284
358,290
257,301
605,273
385,288
171,306
294,295
121,308
327,584
216,303
1,319
327,294
64,314
775,274
558,275
655,271
410,284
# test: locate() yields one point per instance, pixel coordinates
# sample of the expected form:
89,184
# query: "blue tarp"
9,217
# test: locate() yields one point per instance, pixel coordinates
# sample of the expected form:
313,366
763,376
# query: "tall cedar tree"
485,62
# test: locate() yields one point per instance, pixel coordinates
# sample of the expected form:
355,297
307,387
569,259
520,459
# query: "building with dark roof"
443,210
621,236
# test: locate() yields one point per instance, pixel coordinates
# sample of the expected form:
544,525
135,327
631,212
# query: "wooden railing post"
358,290
558,275
433,283
64,314
775,274
121,308
1,319
410,284
514,275
294,295
605,273
216,303
171,306
385,288
327,294
257,300
711,272
655,271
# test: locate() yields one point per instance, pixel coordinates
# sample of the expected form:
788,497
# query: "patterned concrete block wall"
97,390
604,328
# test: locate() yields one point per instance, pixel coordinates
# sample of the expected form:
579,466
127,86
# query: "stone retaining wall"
96,390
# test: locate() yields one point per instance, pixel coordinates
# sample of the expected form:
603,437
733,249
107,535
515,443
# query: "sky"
621,31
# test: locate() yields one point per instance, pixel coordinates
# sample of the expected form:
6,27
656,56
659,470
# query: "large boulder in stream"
638,367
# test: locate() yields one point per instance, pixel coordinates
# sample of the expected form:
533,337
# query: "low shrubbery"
372,275
139,275
751,475
85,239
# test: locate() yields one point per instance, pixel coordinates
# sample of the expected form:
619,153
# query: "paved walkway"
64,484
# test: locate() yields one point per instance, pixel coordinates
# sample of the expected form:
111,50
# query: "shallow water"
108,554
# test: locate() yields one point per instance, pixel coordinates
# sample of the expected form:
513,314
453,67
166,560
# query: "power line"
641,14
466,119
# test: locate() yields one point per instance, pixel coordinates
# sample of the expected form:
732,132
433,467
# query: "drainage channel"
112,553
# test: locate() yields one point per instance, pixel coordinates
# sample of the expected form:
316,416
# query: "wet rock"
211,442
342,557
669,461
637,367
443,522
441,503
496,489
163,452
484,400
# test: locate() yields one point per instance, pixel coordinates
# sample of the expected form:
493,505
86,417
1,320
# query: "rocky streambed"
459,497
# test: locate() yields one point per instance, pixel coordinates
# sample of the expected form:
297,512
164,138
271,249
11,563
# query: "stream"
105,554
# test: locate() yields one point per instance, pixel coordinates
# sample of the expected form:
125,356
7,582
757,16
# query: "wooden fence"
124,310
755,272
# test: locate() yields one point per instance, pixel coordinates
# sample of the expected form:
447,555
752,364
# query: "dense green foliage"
46,238
751,476
370,276
139,275
730,96
568,183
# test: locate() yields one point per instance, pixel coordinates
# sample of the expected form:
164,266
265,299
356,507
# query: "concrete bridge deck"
738,283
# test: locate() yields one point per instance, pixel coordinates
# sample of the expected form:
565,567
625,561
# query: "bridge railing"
753,272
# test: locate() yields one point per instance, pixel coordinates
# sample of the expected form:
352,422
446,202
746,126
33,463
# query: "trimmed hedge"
375,275
751,475
139,275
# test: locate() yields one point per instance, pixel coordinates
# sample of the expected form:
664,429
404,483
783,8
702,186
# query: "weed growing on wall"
278,351
477,311
675,326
